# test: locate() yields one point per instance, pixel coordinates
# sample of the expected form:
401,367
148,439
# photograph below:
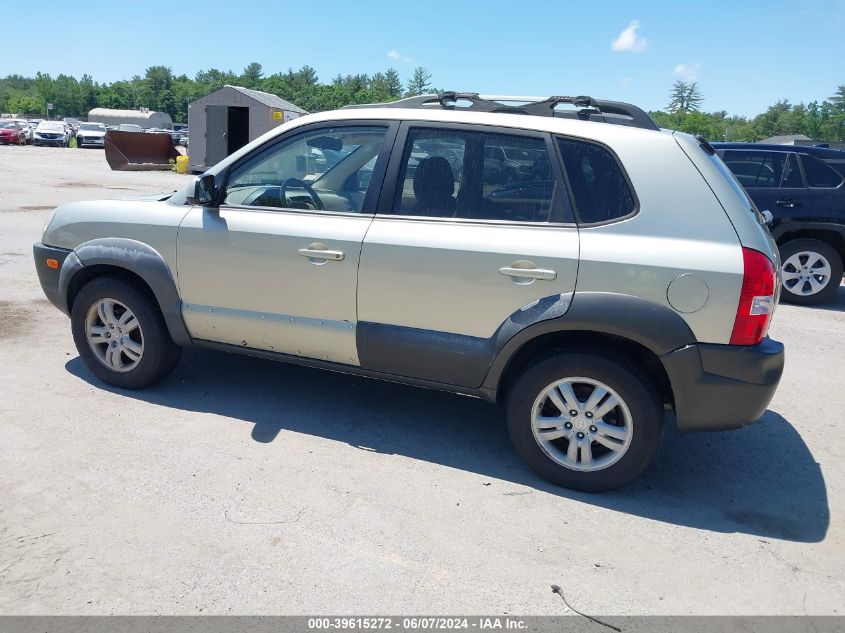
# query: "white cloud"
394,54
628,40
687,72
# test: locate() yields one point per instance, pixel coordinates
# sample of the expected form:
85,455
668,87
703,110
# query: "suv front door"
275,266
457,254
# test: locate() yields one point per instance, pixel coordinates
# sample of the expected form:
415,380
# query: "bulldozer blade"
138,151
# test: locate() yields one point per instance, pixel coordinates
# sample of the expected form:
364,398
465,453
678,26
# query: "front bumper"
93,140
49,141
720,387
49,276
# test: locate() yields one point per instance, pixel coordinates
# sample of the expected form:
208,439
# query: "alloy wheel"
805,273
582,424
114,335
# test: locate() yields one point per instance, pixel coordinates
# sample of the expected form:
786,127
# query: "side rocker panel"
445,357
480,363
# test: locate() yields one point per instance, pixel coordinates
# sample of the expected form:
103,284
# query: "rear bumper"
49,277
720,387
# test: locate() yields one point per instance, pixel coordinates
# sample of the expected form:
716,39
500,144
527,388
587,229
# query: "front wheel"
585,422
121,335
811,271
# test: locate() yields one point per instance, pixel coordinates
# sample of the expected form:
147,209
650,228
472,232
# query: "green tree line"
159,89
823,121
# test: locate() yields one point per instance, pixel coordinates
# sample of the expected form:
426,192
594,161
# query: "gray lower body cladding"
49,277
715,387
127,255
720,387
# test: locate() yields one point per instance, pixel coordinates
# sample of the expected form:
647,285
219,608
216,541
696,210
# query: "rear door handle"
789,203
529,273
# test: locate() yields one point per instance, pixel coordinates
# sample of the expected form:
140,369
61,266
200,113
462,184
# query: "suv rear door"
773,180
826,187
454,252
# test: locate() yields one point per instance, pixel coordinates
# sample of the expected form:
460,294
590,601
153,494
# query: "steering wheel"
290,182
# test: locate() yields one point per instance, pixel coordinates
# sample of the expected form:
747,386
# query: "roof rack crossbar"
585,108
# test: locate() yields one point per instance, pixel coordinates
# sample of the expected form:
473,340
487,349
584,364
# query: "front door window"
320,170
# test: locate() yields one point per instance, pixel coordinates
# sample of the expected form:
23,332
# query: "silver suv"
561,256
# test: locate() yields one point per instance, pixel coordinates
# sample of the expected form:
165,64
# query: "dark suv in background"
803,188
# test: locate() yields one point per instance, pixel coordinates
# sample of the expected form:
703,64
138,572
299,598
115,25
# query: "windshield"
93,127
51,125
7,125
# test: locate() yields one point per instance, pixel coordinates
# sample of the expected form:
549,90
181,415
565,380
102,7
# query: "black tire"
632,385
824,249
160,354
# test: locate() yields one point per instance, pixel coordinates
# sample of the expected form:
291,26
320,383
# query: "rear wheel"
811,271
121,335
585,422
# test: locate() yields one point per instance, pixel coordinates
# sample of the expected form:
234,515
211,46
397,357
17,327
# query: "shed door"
216,134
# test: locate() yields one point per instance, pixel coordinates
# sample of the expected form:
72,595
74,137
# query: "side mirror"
767,216
205,191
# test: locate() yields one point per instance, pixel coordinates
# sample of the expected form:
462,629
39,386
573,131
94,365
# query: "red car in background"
11,132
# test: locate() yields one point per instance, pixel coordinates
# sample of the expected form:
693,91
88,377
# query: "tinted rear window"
600,190
764,169
819,174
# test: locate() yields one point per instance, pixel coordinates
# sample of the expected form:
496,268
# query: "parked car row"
19,132
58,133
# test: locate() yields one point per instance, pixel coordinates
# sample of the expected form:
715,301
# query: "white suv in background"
90,135
53,133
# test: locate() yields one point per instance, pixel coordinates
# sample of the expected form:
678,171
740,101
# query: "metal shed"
227,119
144,118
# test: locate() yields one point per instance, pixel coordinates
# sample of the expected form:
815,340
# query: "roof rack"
586,108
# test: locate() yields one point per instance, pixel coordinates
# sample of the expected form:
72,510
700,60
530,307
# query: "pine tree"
685,97
419,82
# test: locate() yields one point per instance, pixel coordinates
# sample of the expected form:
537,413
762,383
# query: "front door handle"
528,273
319,254
789,203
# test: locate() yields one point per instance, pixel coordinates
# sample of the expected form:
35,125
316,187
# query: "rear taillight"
756,299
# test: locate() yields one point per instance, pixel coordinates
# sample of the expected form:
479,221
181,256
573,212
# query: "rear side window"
467,174
600,190
764,169
818,174
839,167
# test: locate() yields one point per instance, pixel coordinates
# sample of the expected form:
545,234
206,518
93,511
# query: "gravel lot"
245,486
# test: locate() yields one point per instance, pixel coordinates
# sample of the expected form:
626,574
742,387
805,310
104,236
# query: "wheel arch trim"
785,232
655,327
135,257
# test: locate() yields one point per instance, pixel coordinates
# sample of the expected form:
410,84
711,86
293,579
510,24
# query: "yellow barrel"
181,164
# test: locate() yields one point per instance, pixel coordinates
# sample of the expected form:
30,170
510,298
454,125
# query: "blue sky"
745,55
